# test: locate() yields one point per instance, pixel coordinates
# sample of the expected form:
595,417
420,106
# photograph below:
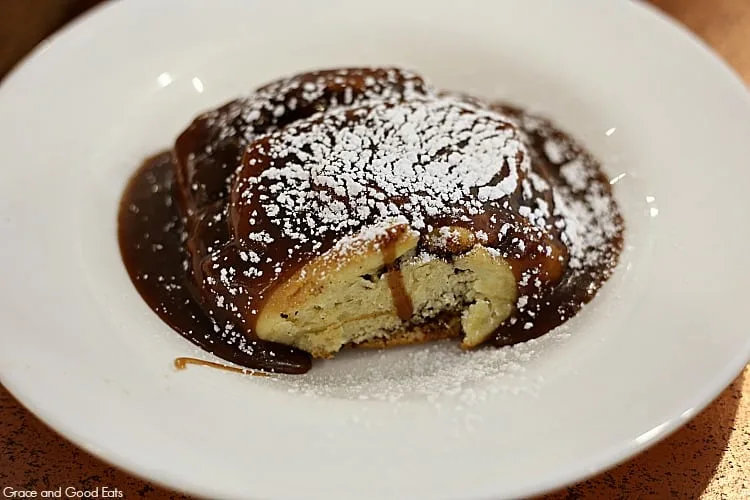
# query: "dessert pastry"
361,207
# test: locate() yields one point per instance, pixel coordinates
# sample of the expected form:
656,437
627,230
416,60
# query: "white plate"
666,334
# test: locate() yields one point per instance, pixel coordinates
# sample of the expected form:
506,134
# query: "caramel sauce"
183,362
401,299
176,212
147,209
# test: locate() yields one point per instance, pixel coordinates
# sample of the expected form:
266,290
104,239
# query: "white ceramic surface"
666,335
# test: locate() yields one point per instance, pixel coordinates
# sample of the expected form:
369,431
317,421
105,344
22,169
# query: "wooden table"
708,458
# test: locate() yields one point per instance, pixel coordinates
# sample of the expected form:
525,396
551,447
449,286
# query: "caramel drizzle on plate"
181,363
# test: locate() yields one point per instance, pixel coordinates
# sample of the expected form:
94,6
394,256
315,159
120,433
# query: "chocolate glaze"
576,287
151,236
175,253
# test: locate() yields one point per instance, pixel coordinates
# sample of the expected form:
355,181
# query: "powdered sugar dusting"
428,372
436,156
215,141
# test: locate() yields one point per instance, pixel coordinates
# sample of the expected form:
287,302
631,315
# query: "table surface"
708,458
